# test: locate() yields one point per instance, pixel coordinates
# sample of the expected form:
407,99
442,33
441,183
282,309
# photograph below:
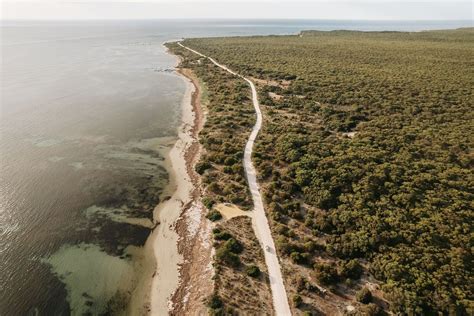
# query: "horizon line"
237,19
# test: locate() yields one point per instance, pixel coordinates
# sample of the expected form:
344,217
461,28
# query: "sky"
227,9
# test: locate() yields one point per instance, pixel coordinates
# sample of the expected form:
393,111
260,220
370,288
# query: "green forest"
365,155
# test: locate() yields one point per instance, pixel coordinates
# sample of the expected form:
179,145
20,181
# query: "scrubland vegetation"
241,281
365,159
241,284
228,123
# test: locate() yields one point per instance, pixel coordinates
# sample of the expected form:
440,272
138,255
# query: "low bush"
214,215
253,271
208,202
214,187
300,258
224,255
297,300
220,235
202,166
233,245
304,285
364,296
214,302
326,274
351,269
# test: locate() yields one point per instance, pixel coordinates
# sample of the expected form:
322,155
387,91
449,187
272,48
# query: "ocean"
89,110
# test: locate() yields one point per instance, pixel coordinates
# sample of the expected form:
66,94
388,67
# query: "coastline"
180,269
195,243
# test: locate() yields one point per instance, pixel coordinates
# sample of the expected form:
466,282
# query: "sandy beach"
180,243
195,243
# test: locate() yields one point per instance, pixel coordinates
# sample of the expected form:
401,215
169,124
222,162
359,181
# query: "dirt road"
260,221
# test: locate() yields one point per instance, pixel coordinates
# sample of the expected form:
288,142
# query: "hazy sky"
307,9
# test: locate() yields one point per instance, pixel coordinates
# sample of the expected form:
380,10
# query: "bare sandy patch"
350,134
275,96
229,211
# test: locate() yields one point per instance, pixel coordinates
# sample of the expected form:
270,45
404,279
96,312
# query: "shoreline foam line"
260,221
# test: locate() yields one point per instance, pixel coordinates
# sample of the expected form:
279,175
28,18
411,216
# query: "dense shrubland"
365,155
225,132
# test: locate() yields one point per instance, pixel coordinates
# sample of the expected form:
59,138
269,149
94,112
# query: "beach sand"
229,211
195,244
177,269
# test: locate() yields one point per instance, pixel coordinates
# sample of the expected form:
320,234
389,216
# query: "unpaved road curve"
260,221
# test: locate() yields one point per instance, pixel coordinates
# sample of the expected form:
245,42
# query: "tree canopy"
367,151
